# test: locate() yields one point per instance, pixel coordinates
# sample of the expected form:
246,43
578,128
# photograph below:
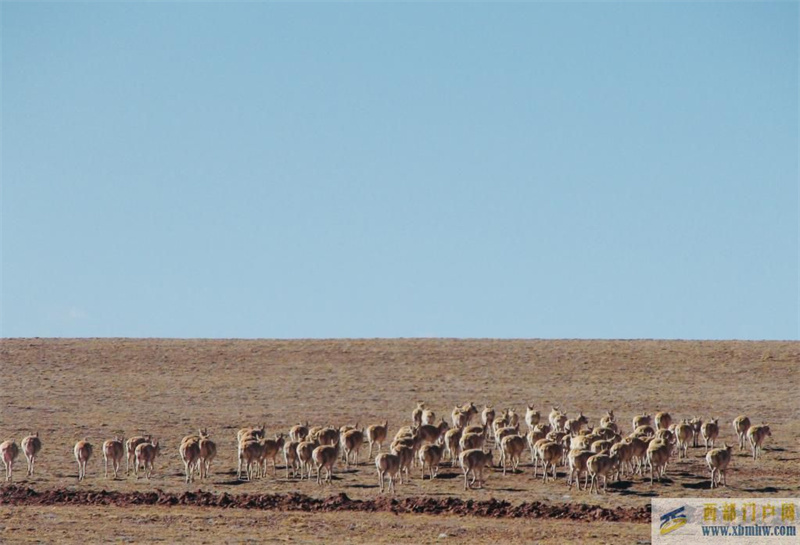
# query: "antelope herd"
594,452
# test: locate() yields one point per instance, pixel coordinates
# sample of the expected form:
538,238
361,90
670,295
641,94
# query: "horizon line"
587,339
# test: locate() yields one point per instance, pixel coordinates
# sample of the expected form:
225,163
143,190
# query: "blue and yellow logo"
673,520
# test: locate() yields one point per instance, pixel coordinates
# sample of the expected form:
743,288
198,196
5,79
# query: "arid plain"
68,389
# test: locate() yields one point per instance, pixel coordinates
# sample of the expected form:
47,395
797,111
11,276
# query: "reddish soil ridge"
19,495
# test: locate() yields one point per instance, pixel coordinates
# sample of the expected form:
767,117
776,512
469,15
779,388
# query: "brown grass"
66,525
71,388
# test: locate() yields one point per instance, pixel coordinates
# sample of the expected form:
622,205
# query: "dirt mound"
18,495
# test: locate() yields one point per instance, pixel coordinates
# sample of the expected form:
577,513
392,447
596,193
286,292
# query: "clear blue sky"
579,170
